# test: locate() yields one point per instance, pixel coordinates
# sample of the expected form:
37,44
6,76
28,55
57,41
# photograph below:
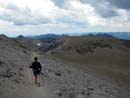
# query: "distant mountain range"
104,35
46,36
120,35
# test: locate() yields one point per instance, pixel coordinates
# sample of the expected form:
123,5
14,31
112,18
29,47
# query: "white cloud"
53,16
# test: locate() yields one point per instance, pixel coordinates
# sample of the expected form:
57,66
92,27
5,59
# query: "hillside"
107,57
29,44
13,61
73,67
104,50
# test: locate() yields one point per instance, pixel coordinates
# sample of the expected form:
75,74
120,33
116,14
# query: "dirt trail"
30,90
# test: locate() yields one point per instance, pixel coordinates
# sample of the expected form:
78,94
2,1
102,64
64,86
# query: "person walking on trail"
36,68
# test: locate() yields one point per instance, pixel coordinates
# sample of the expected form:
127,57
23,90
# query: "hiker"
36,68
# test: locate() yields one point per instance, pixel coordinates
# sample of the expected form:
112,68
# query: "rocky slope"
90,50
13,60
59,79
67,81
107,57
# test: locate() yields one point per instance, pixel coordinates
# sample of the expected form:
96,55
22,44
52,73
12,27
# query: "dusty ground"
60,80
28,89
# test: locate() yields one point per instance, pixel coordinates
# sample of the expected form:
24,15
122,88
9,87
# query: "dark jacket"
36,66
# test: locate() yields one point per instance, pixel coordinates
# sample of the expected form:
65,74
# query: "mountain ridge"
119,35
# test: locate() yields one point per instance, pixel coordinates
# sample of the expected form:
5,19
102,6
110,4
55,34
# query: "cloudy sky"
33,17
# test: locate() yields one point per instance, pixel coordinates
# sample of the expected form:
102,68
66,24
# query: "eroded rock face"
52,45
